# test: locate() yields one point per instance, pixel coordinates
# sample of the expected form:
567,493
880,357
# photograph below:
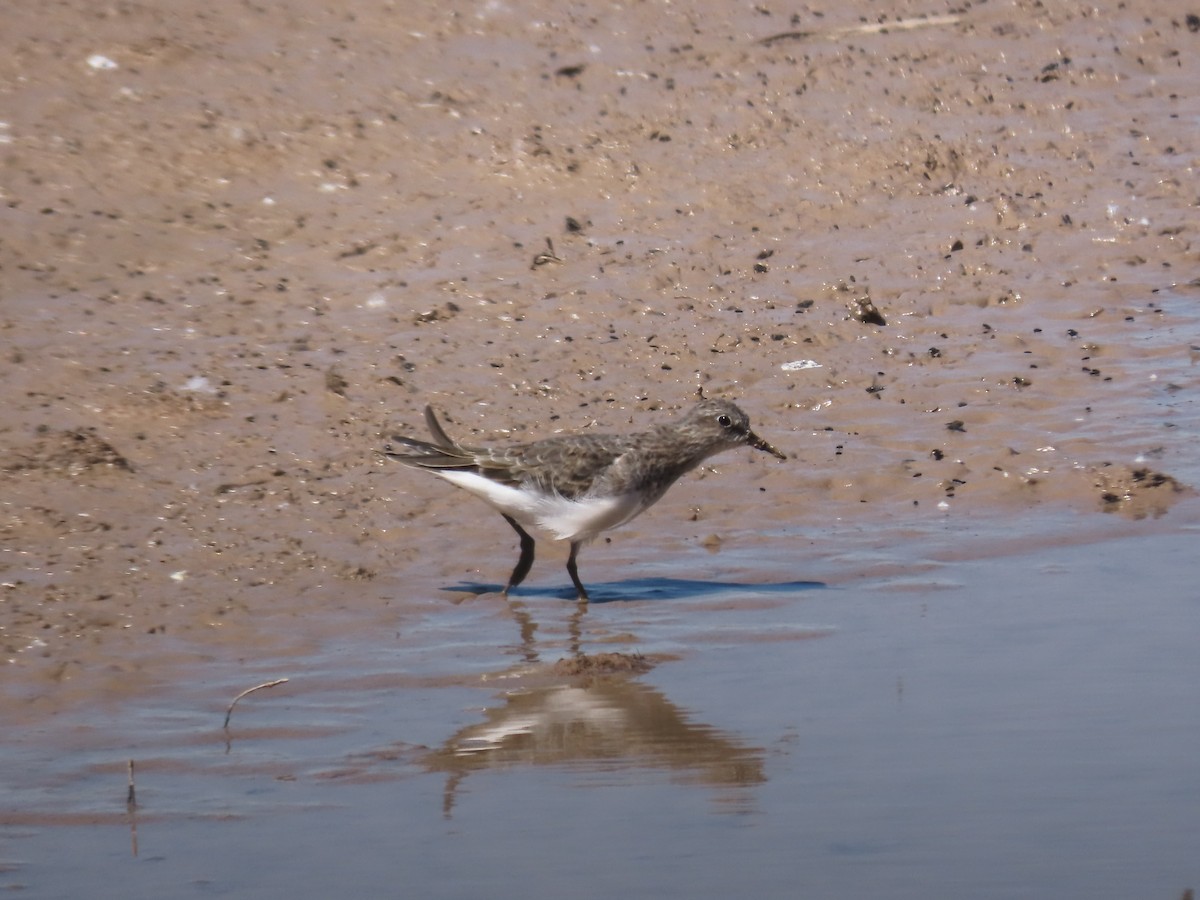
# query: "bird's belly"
567,520
584,519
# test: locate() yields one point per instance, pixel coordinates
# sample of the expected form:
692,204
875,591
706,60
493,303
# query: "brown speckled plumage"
580,485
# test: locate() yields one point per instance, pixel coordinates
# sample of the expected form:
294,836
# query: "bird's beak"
759,444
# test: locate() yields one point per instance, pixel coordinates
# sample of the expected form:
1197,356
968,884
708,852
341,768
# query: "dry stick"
869,28
257,687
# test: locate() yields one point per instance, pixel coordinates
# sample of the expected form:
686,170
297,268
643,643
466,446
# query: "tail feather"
439,434
427,456
443,453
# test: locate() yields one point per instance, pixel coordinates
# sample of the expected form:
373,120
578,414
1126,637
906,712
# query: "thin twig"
257,687
867,28
546,256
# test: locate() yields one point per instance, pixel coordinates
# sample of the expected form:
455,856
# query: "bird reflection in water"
588,712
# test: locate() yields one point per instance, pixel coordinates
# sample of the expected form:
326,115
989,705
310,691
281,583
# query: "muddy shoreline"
240,250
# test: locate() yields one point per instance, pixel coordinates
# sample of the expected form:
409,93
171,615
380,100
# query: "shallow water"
1006,727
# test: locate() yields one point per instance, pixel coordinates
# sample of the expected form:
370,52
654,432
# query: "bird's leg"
525,563
573,571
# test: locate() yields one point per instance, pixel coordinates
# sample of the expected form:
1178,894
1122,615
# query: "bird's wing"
568,465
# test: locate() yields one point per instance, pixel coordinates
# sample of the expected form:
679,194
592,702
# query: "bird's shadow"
642,589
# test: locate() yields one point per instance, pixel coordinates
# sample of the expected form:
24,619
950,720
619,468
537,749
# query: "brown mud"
945,256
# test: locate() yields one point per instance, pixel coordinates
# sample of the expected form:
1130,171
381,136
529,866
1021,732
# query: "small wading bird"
577,486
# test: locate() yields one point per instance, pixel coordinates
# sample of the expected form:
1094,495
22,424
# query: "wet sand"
944,256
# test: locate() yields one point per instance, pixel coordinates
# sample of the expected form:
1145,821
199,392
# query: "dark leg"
573,571
525,563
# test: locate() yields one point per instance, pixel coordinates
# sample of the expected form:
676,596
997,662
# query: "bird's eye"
724,421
